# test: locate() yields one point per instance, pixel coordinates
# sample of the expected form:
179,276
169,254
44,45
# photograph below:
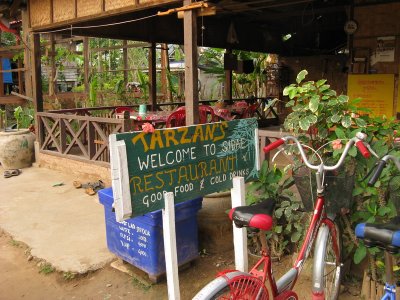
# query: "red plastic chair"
176,119
206,114
250,111
121,109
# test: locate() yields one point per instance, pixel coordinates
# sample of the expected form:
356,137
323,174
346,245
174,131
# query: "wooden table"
228,113
156,118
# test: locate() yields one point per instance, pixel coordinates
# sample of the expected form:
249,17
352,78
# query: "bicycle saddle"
257,216
385,236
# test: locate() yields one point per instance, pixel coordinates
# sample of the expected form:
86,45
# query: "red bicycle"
323,230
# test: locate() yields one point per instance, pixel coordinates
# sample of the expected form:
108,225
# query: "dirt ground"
23,277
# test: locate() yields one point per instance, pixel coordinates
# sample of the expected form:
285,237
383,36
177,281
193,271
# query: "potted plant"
16,143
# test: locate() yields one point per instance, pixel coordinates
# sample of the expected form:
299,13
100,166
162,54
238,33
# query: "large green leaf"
314,102
312,119
320,82
360,122
340,133
360,254
301,76
287,89
295,237
278,228
346,121
324,87
384,210
343,98
304,124
335,118
292,93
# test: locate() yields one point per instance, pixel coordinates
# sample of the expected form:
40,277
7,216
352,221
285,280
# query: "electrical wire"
95,26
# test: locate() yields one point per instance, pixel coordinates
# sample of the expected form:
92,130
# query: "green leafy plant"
69,275
144,85
46,268
23,116
288,229
317,111
377,203
3,117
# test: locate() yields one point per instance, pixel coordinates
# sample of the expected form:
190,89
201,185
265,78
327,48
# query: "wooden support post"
152,77
2,93
171,256
164,73
27,54
91,133
19,74
127,122
191,75
53,70
36,73
125,61
239,234
120,179
63,135
228,81
37,85
86,60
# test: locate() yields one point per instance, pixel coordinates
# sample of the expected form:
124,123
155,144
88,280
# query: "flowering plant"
319,114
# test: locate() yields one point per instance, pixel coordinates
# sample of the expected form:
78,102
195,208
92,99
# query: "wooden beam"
12,100
13,70
12,48
136,45
22,96
152,76
64,41
191,75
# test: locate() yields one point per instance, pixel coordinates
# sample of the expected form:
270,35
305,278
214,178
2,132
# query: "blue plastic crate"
139,240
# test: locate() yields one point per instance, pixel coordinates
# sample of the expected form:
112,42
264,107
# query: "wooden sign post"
153,171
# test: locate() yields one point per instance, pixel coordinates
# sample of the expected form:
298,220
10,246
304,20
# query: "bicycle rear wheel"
234,285
327,263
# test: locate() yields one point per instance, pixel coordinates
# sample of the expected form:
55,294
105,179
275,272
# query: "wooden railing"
80,134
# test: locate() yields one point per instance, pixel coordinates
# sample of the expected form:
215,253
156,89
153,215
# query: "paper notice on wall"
384,51
375,90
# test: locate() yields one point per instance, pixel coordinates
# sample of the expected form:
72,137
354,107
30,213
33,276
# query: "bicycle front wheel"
327,263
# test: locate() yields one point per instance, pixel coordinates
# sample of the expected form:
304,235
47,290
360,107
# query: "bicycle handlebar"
363,150
357,140
380,166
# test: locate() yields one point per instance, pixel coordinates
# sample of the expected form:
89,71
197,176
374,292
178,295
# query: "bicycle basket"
338,192
245,287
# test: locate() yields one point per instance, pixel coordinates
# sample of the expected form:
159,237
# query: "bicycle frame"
288,280
390,285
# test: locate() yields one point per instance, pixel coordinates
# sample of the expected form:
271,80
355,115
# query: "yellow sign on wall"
375,90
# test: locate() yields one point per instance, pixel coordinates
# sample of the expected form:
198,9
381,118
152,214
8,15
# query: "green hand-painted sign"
189,161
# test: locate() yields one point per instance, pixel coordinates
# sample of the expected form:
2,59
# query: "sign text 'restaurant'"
189,161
